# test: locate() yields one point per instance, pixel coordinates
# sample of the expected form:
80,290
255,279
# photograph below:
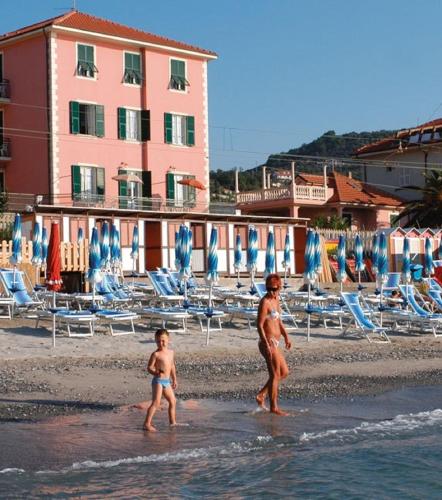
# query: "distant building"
407,154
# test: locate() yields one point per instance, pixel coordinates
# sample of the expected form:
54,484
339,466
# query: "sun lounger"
392,283
432,284
163,289
15,288
436,298
177,315
420,310
360,321
112,318
83,321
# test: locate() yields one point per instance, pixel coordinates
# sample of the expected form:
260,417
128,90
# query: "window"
132,68
1,67
133,125
87,119
347,217
85,61
178,75
404,177
87,183
135,194
179,194
2,181
179,129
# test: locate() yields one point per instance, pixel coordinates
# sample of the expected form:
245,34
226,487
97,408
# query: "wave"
384,428
10,470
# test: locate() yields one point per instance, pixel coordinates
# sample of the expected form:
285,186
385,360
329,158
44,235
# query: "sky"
290,70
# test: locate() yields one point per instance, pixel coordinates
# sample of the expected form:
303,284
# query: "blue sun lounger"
15,288
361,322
433,320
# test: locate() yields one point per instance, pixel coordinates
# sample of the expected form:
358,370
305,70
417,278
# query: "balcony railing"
302,192
4,89
5,149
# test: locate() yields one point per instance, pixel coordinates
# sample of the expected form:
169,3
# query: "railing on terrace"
19,202
333,235
4,89
280,193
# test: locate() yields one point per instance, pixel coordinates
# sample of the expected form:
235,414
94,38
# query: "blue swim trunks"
165,382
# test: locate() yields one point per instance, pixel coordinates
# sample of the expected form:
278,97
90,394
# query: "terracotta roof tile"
88,23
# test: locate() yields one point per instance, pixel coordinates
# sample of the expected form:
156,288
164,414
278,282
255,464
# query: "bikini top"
273,314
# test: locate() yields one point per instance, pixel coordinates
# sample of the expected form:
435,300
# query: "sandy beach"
104,372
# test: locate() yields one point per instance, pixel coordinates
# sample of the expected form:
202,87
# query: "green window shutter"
127,61
99,121
89,54
122,190
178,68
146,177
122,123
190,131
170,186
100,181
76,180
81,53
145,125
136,62
167,128
74,108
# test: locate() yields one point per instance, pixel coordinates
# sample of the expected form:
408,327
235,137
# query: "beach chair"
436,298
15,288
166,315
112,318
163,289
286,315
392,283
420,310
432,284
360,320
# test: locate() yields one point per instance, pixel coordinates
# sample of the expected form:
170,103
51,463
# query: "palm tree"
426,211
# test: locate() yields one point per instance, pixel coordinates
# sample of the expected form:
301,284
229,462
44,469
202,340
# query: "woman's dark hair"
273,281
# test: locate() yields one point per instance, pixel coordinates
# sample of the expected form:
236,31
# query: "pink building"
83,99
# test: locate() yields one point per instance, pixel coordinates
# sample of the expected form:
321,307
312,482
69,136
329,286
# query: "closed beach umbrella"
286,261
359,258
341,274
252,255
238,253
135,248
375,253
44,246
382,263
270,255
318,262
177,250
406,261
36,245
185,253
94,274
429,266
16,241
80,235
105,246
115,252
212,274
53,269
309,271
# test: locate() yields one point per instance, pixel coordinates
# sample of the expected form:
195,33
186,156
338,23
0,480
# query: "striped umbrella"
237,264
406,261
94,274
16,241
286,261
135,248
36,245
309,272
375,253
105,246
80,235
44,246
270,255
115,252
318,262
177,249
212,274
252,255
341,274
382,262
359,258
185,259
429,266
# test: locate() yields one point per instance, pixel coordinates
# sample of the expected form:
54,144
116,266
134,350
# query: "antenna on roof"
74,5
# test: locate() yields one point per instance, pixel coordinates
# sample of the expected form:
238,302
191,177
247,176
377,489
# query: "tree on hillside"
427,211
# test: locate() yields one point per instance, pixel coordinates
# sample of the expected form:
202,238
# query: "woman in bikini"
271,329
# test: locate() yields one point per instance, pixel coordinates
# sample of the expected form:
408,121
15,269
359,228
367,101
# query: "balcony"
303,194
5,149
4,91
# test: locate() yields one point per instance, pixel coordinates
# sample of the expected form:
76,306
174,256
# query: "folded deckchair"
360,320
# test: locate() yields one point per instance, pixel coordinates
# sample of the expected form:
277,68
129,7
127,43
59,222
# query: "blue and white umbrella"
359,258
318,261
135,248
36,245
94,273
44,246
185,259
429,266
270,255
237,264
309,272
80,235
105,246
212,274
252,255
16,256
286,261
177,249
341,274
375,253
406,261
382,262
115,251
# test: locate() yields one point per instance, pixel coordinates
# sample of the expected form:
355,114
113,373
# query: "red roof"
349,190
426,133
85,22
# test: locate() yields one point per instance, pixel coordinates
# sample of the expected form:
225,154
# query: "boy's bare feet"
279,412
149,428
260,400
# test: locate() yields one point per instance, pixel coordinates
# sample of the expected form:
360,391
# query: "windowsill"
133,141
178,145
87,136
134,85
89,78
176,91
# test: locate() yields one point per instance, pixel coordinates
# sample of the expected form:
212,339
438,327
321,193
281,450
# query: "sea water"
385,446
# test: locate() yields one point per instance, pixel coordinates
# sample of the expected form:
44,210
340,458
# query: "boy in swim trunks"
162,366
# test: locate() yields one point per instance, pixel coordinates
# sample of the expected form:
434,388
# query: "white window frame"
91,168
124,68
404,177
179,139
89,78
185,90
138,111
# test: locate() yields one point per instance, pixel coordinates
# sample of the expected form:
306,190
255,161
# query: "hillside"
222,182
